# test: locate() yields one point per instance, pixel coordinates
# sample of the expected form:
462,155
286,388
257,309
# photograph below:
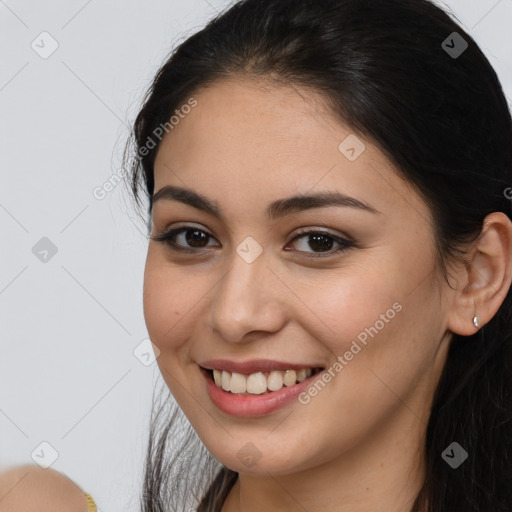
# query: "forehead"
246,125
262,139
260,109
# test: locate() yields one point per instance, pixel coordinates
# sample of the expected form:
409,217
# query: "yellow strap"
91,506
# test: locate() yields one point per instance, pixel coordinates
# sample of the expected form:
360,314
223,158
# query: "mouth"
260,382
256,388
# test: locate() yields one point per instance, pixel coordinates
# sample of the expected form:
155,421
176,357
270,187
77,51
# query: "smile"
260,382
255,388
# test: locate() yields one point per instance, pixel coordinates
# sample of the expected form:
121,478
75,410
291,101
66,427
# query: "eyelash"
168,239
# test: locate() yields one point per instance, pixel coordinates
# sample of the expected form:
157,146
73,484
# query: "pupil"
316,240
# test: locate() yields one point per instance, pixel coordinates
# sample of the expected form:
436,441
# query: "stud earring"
475,322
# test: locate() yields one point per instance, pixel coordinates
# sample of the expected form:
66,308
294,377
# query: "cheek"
342,305
375,316
167,297
167,304
386,334
174,298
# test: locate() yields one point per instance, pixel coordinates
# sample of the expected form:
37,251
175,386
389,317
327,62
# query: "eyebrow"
276,210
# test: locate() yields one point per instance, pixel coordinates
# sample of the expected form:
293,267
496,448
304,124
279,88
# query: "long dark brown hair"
388,69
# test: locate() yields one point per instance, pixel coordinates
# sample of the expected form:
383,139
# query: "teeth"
290,378
275,381
238,383
302,375
258,383
226,381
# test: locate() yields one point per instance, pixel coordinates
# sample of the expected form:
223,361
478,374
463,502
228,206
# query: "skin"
357,445
28,488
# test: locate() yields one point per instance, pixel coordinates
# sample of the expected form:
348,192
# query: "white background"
68,327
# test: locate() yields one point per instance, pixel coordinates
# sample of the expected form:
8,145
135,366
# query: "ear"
485,282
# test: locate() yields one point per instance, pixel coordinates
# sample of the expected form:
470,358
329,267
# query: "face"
253,283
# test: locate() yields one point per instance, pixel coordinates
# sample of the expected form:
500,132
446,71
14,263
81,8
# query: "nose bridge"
245,300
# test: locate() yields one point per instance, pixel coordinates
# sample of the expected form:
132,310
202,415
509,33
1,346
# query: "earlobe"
488,277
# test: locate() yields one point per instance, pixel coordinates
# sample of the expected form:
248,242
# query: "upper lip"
253,366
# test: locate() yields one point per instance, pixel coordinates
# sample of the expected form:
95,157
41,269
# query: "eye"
321,241
196,237
189,239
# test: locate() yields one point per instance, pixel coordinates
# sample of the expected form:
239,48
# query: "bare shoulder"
28,488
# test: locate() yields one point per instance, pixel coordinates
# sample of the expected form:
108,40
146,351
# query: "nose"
248,299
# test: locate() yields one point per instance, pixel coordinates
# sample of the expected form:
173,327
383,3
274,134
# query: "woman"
328,278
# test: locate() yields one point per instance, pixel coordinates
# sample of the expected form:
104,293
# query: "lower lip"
247,406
